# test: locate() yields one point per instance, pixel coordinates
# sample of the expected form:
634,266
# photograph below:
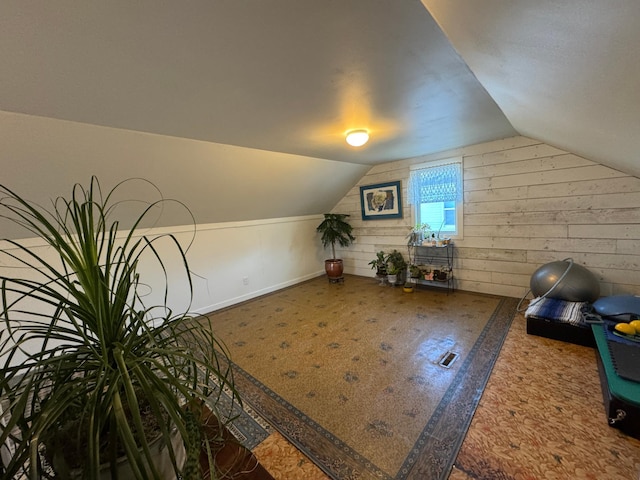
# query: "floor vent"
447,359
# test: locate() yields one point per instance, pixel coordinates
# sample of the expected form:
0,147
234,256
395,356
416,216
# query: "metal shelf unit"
437,259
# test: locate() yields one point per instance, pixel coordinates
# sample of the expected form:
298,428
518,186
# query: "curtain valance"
441,183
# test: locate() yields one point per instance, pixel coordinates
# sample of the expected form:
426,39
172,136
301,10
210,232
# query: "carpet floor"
367,381
540,417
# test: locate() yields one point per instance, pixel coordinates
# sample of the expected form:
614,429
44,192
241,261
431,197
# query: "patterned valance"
442,183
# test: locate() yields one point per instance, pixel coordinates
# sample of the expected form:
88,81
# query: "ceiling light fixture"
357,138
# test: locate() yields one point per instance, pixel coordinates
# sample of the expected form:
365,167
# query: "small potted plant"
396,265
392,274
335,229
380,266
442,274
415,271
417,233
428,274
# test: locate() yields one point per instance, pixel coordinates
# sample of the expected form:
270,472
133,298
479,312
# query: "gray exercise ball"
578,284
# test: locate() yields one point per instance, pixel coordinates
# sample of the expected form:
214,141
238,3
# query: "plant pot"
161,460
334,268
392,279
231,460
408,288
382,276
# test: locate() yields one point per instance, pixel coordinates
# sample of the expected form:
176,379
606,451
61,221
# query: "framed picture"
380,201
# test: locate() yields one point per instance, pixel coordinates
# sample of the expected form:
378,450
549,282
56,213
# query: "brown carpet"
350,373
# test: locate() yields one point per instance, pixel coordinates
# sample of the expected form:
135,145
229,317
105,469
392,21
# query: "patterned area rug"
366,380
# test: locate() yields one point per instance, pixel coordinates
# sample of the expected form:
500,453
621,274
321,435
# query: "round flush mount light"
357,138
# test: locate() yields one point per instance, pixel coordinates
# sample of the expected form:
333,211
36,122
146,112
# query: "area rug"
368,381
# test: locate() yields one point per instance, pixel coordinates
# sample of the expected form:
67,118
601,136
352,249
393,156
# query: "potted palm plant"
335,229
90,376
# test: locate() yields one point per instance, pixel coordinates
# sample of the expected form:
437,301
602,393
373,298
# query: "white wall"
270,255
267,255
41,158
525,204
230,262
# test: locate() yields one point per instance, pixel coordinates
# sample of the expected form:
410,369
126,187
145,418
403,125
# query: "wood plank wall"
525,204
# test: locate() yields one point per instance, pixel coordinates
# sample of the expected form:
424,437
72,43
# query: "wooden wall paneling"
525,204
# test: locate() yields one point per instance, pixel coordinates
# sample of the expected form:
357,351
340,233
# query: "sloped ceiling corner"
566,73
41,158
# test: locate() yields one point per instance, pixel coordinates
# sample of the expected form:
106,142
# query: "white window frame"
459,204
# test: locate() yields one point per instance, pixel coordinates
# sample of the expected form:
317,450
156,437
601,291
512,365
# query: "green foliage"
417,233
395,263
80,351
415,271
380,262
335,229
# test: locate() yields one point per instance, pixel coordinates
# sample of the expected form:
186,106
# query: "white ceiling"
293,75
564,72
281,75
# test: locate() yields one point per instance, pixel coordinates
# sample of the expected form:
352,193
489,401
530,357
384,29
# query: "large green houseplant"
89,374
335,229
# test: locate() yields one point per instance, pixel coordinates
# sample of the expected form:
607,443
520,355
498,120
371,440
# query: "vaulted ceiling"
293,76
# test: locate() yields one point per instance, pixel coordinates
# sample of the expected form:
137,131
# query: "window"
435,190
